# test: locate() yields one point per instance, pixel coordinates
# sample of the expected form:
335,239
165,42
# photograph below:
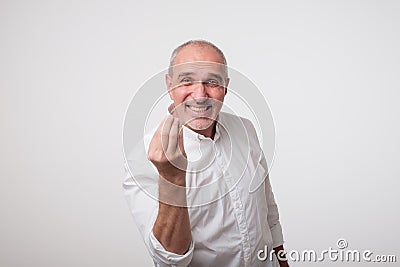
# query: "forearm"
172,226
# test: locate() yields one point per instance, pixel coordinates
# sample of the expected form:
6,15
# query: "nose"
199,92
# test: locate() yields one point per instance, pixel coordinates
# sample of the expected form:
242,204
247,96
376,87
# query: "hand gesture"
166,151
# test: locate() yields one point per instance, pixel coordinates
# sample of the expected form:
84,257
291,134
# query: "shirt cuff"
277,236
165,258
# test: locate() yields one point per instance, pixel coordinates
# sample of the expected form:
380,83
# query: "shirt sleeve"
164,258
273,213
144,210
273,216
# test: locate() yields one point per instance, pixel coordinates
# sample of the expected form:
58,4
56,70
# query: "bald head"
196,50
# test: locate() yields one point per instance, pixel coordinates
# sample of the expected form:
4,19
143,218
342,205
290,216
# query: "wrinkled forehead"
199,69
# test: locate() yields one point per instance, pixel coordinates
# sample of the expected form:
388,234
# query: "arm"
275,225
145,210
166,152
272,213
172,228
273,220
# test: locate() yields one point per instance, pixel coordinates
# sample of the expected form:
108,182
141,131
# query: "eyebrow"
185,74
215,75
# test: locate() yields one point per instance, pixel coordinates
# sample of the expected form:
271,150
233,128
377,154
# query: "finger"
165,129
171,109
180,139
173,137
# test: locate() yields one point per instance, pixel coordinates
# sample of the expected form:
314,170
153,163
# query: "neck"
209,132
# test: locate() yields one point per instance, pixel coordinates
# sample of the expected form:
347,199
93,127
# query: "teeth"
196,109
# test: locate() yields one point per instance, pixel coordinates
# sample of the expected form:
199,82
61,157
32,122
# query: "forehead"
199,68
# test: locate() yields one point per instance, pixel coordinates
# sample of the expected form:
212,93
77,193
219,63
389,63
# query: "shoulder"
239,127
235,122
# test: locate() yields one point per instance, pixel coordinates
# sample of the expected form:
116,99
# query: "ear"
226,85
168,83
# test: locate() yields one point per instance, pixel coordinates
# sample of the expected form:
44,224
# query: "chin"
200,124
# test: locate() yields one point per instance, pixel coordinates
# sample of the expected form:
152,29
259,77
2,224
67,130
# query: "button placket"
236,204
243,228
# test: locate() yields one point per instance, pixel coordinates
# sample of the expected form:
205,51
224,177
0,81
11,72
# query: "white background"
68,69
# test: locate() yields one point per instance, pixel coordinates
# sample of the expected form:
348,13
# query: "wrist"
172,190
175,177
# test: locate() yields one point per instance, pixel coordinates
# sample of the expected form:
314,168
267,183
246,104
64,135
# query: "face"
197,87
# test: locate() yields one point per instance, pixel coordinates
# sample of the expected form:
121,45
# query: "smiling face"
197,85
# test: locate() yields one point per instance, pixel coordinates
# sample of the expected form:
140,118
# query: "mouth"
199,109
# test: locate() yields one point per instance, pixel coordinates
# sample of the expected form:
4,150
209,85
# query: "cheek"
178,96
220,95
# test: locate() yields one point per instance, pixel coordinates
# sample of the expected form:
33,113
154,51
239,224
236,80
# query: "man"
204,214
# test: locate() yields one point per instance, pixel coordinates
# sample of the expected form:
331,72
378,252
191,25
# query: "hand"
167,153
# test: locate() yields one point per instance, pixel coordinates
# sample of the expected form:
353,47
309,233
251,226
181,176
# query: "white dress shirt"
231,206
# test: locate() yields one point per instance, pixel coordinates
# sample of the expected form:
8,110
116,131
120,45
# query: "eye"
186,81
212,83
